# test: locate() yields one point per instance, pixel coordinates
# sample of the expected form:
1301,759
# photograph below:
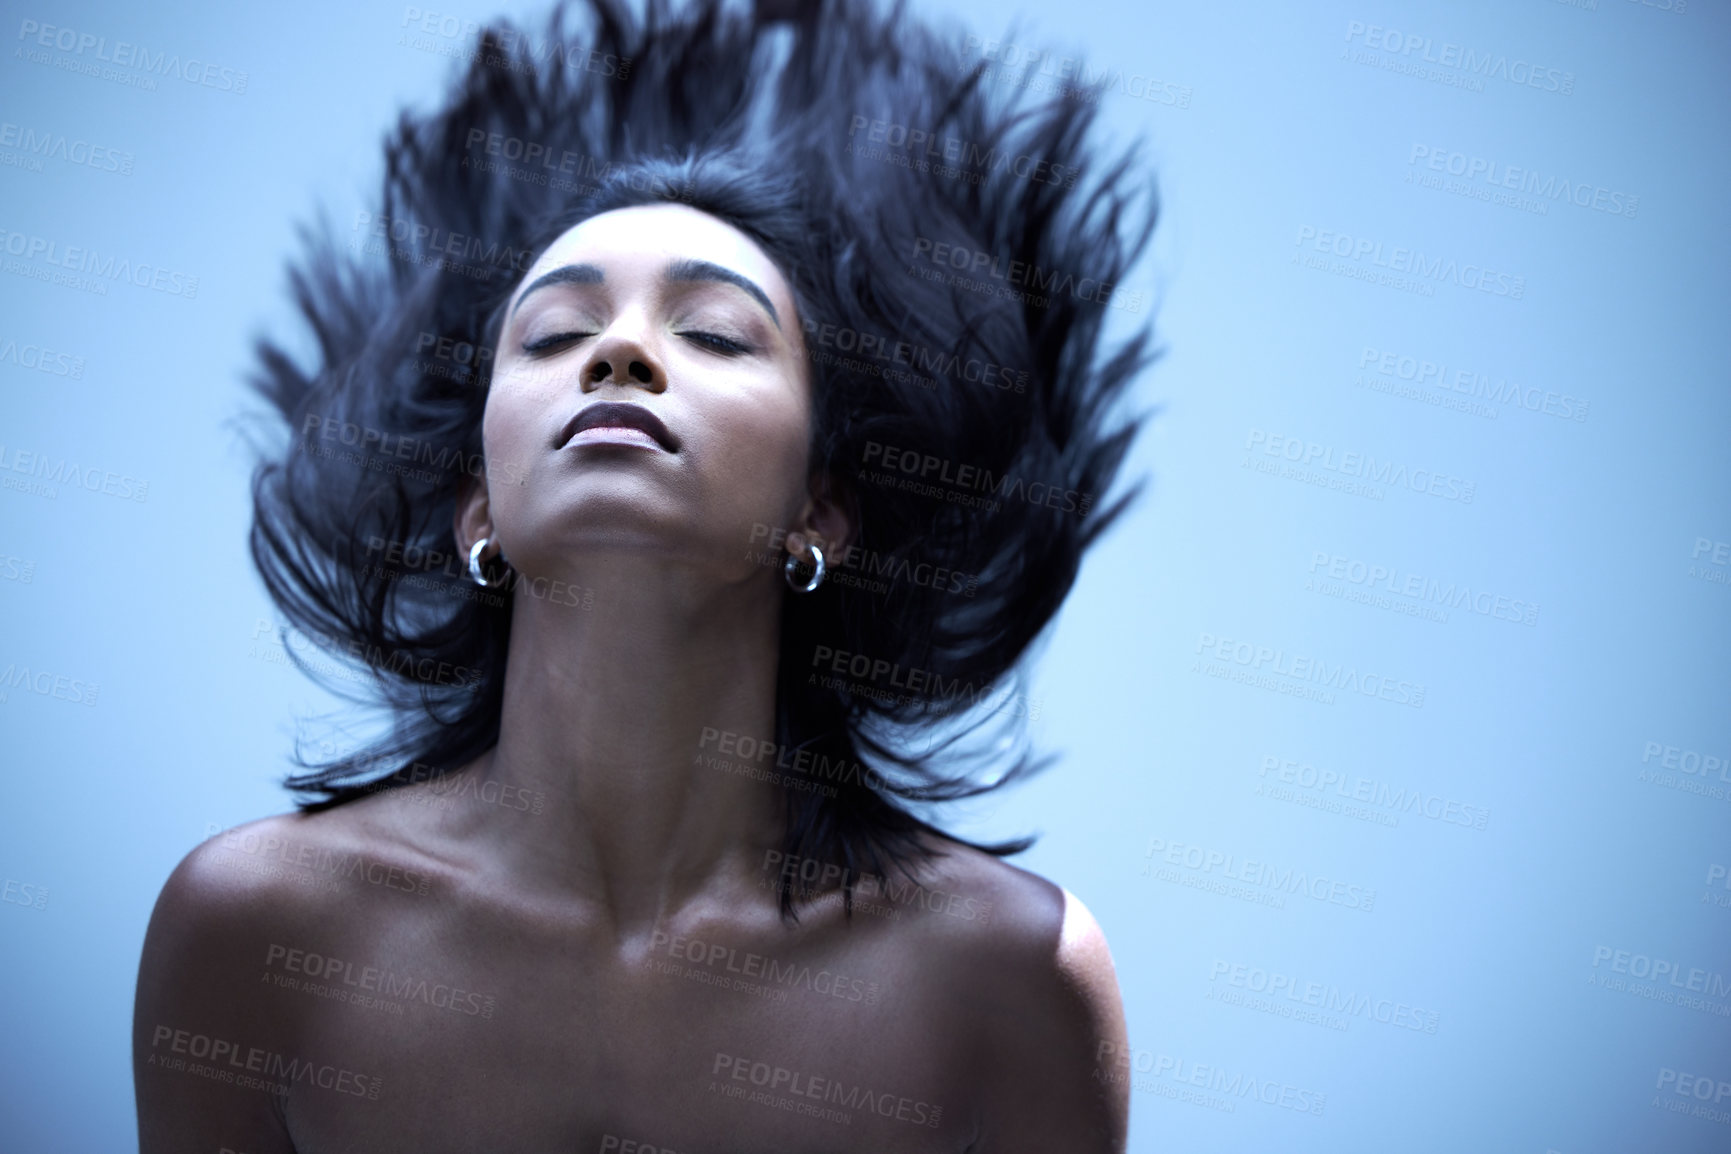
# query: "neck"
612,713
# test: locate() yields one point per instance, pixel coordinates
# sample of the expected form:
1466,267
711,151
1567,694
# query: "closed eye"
544,343
716,342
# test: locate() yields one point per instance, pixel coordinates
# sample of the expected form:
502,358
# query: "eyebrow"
701,270
679,272
564,274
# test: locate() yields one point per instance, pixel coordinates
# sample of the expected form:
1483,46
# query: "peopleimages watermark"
1169,1077
1447,63
1672,983
42,359
1402,267
87,269
441,789
1481,178
272,851
840,347
1321,998
26,894
1262,883
46,683
971,486
1710,561
384,451
419,566
406,239
558,168
321,975
250,1067
1461,389
1325,587
764,975
1021,281
874,894
35,146
859,567
1717,872
134,64
1300,675
614,1144
889,683
397,662
453,358
1706,774
1376,801
1070,78
804,1089
1424,593
1696,1090
926,151
743,754
444,34
413,566
45,473
1350,472
19,569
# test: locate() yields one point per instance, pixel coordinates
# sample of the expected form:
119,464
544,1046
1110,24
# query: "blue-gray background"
1585,734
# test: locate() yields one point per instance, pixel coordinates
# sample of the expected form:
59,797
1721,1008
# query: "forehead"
645,239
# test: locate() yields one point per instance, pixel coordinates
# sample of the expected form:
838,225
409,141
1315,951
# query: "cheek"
508,432
761,463
522,384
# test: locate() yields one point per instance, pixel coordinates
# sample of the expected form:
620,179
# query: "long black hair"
940,237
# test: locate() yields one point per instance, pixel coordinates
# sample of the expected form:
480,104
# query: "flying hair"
951,248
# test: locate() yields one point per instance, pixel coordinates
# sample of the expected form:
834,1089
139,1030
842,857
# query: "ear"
827,518
473,518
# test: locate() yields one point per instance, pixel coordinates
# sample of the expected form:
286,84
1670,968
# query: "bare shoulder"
329,869
1048,1007
212,1012
199,1007
242,876
1020,916
279,878
273,864
236,889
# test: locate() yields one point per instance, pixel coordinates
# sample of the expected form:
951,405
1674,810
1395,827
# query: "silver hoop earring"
475,573
816,578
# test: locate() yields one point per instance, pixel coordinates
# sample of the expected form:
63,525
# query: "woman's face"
668,318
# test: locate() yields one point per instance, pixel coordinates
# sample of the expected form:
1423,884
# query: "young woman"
708,419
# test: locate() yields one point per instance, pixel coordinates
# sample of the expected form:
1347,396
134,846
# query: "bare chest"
530,1042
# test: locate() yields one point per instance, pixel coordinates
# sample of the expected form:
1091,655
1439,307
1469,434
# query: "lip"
617,415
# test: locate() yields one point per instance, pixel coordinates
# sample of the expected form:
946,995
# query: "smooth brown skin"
560,873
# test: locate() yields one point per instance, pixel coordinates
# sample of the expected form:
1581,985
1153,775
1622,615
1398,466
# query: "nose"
622,358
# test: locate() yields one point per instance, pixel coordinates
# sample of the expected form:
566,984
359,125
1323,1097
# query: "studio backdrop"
1394,750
